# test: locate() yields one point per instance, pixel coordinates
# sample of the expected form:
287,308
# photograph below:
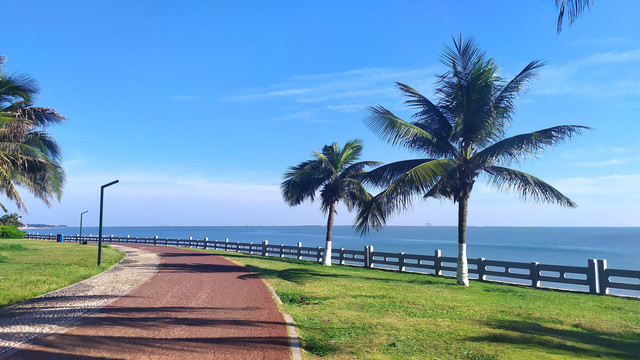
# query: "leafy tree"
462,136
11,220
29,156
333,173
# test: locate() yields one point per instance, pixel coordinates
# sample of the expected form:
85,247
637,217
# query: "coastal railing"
596,276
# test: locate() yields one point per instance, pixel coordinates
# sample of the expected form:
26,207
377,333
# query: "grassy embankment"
29,268
352,313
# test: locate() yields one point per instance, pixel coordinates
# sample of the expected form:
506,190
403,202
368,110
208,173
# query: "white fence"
596,277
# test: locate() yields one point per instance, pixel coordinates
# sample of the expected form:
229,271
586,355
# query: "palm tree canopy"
462,135
11,220
29,156
332,172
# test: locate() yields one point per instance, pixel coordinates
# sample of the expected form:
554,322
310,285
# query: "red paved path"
198,306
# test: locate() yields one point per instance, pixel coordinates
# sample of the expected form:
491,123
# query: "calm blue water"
548,245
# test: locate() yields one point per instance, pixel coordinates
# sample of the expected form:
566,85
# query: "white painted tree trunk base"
326,258
462,275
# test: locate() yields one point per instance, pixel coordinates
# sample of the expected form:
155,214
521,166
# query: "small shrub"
10,232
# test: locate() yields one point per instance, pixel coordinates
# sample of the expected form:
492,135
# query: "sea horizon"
335,226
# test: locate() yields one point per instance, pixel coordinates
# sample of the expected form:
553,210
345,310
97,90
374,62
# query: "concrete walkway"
197,306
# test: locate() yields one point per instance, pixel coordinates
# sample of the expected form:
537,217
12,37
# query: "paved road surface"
198,306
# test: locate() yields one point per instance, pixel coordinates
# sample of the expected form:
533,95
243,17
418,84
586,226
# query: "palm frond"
371,215
514,148
356,195
526,186
398,196
445,187
386,174
40,116
16,87
576,7
357,170
505,95
466,92
429,117
9,189
45,143
394,130
349,153
301,182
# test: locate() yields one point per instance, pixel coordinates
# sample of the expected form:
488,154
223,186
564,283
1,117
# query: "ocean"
620,246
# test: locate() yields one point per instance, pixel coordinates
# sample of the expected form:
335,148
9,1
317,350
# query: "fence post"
481,270
281,250
401,261
368,259
264,247
226,244
319,254
111,239
299,250
603,278
206,240
534,272
592,276
437,263
341,256
237,246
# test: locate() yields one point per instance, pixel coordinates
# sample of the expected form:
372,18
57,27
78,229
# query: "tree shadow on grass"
578,342
294,275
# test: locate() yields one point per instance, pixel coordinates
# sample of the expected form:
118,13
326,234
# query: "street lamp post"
100,228
82,213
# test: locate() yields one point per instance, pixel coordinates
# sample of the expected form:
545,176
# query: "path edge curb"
296,353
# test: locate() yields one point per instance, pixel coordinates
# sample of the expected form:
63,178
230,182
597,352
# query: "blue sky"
198,107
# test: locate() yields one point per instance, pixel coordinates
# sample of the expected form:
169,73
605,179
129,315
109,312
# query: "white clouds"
620,187
604,162
612,57
353,108
600,75
594,41
352,84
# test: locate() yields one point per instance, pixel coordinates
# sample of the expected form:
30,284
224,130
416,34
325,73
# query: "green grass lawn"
352,313
29,268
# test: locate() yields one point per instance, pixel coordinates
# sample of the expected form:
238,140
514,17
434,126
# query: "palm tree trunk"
326,260
462,274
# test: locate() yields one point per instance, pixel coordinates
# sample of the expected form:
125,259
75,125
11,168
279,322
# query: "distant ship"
428,224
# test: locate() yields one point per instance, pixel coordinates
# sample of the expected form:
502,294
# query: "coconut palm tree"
29,156
11,220
462,137
333,173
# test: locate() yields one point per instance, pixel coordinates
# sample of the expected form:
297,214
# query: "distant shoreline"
43,227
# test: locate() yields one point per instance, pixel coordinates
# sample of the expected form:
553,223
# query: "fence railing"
596,276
